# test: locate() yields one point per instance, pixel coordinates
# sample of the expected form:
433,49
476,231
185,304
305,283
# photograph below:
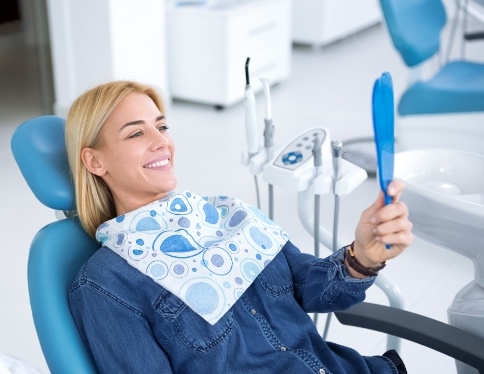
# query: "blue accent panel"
457,87
39,149
292,158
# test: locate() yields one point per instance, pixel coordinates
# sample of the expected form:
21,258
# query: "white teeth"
157,164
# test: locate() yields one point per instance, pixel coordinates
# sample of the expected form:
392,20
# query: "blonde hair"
86,117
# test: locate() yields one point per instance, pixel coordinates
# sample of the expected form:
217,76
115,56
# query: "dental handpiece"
269,127
250,116
317,156
337,147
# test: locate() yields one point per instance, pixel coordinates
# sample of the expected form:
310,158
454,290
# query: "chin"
170,186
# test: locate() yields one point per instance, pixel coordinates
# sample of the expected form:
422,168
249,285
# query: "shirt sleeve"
118,336
324,285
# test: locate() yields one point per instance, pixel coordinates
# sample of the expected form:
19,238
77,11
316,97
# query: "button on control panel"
299,150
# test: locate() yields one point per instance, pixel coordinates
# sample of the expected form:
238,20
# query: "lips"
158,163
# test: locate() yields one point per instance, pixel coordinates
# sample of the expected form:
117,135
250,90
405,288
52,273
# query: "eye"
163,127
135,135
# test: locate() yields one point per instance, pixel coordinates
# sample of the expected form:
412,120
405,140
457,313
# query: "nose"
159,139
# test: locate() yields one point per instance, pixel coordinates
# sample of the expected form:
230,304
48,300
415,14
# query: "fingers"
382,224
373,208
395,189
390,212
392,226
400,240
389,232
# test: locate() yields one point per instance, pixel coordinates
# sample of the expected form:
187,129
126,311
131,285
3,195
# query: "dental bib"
205,251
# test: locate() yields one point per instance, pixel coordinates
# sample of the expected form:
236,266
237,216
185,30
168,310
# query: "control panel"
299,151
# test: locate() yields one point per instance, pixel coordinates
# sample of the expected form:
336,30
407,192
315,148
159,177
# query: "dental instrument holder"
303,181
302,178
291,168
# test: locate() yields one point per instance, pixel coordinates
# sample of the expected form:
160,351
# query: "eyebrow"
140,122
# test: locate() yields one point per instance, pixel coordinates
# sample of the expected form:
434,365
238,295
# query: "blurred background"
322,58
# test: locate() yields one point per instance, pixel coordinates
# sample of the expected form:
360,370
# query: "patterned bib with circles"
206,251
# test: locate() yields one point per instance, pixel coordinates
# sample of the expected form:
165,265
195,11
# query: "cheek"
172,151
124,161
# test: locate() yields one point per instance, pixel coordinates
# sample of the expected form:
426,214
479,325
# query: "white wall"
95,41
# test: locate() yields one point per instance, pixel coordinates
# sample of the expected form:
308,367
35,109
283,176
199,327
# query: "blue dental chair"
39,149
59,249
447,109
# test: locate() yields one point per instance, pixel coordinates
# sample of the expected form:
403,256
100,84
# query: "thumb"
373,208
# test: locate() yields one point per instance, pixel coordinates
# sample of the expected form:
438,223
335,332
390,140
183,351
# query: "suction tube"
250,117
318,162
337,148
337,152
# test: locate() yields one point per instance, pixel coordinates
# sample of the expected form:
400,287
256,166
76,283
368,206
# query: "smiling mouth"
157,164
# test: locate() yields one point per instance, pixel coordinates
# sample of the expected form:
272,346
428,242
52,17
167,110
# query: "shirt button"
322,371
283,349
253,312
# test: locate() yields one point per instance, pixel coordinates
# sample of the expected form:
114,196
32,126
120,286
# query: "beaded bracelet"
357,266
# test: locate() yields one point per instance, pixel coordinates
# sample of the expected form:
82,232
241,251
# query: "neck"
126,204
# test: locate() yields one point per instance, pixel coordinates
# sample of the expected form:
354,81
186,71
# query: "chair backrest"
59,249
415,27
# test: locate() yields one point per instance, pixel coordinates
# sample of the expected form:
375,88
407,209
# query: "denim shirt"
133,325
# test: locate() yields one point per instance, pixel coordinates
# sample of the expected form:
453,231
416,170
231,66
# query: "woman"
183,284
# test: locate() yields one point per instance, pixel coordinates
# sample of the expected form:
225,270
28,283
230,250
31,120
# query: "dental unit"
310,165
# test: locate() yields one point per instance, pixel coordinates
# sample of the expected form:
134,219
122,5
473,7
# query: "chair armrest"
471,36
439,336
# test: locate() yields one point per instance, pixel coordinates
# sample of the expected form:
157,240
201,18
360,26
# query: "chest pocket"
194,332
276,278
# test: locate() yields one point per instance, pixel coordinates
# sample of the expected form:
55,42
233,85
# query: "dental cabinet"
320,22
208,46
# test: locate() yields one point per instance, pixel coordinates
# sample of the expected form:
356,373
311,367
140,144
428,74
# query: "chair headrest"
414,27
39,149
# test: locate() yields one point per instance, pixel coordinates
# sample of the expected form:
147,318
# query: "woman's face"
136,155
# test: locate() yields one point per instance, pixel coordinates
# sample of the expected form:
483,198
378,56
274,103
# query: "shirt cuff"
341,273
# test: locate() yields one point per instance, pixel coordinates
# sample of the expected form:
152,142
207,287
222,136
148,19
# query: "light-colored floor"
330,87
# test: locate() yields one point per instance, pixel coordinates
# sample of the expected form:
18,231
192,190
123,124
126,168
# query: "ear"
91,160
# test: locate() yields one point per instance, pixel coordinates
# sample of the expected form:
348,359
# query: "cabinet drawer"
255,28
